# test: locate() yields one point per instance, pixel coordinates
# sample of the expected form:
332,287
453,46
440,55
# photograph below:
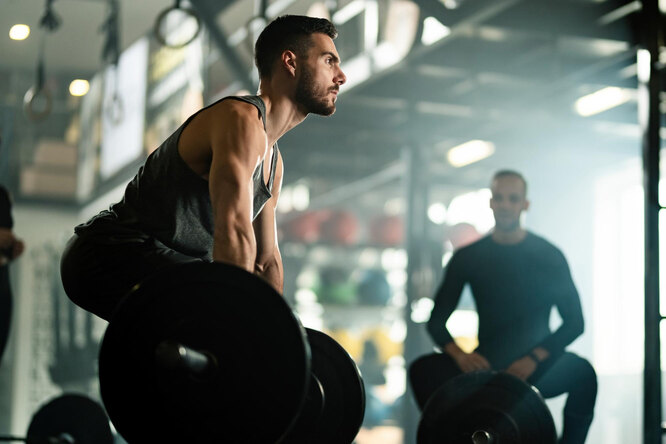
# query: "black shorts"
97,275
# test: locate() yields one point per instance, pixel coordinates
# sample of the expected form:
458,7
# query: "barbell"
68,419
207,352
486,407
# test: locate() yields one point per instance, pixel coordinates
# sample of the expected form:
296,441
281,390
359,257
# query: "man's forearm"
272,273
452,349
237,249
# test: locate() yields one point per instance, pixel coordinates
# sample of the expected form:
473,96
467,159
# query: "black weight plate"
77,416
260,346
343,394
510,410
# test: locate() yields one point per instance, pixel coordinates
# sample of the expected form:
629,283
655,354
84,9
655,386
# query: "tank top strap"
274,160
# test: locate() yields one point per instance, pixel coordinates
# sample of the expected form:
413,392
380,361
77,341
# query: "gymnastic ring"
161,18
29,101
115,110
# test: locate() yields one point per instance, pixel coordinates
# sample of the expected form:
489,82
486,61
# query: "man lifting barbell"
210,191
173,266
516,278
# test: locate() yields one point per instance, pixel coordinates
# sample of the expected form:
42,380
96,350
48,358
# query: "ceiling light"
433,31
602,100
470,152
19,32
79,87
437,213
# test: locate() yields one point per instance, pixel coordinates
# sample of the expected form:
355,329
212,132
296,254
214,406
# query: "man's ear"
289,62
527,205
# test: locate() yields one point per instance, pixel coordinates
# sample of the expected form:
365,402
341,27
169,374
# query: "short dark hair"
510,173
290,32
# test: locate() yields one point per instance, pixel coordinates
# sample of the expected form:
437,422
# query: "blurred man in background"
516,277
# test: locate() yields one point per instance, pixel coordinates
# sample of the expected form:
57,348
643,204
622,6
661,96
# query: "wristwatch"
534,357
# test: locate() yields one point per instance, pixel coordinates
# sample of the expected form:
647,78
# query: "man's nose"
341,77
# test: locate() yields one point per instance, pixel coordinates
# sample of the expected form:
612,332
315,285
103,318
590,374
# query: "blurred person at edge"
11,247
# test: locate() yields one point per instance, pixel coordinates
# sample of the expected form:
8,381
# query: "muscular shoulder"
236,129
233,114
545,248
473,251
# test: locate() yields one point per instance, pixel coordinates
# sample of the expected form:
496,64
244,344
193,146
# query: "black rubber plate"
343,395
259,343
510,410
78,416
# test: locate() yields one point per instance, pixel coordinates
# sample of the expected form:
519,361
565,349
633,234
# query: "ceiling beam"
207,11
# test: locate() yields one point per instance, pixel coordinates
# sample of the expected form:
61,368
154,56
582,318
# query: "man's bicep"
449,291
567,299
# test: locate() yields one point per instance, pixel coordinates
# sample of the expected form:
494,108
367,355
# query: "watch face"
5,255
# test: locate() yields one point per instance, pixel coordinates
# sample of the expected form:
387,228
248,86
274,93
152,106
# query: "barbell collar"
482,437
172,355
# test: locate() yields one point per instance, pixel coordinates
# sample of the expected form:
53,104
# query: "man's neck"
509,237
282,114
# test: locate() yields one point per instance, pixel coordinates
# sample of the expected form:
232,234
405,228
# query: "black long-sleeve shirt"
5,209
514,288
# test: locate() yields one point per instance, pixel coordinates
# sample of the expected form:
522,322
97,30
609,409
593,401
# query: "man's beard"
507,225
307,96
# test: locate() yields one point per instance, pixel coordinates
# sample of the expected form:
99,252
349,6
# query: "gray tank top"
169,202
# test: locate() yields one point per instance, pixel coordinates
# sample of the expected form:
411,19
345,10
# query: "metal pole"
417,195
649,119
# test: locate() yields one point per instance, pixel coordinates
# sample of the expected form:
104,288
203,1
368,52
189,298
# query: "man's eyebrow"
336,59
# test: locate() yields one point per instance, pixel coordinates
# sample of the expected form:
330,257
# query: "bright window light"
79,87
300,197
286,201
394,206
463,323
473,208
433,31
347,12
643,65
385,55
19,32
437,213
470,152
421,310
358,69
393,258
320,10
371,25
602,100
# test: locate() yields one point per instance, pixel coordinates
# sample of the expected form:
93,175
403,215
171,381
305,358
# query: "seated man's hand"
7,238
522,368
469,362
18,248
